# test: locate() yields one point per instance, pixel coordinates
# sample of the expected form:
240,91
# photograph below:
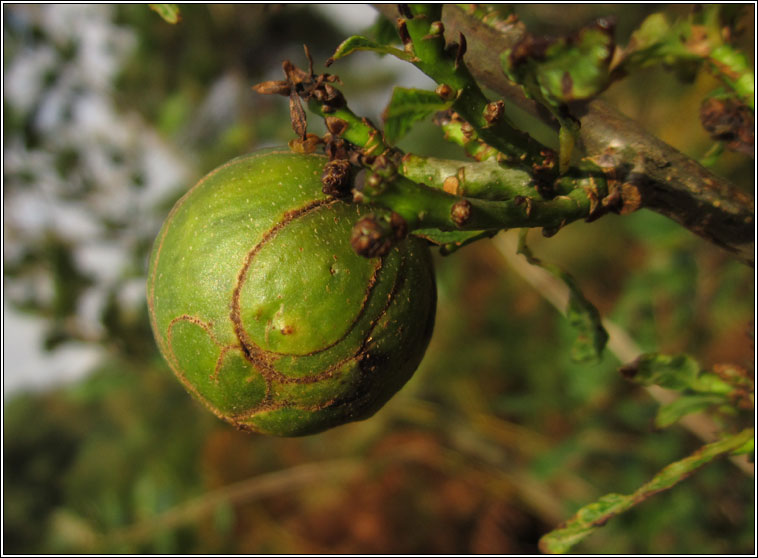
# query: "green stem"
490,180
358,131
460,132
485,180
447,67
507,196
423,207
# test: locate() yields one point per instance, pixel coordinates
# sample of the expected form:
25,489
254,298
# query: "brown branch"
668,182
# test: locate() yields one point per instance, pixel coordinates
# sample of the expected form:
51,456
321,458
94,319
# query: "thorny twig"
666,181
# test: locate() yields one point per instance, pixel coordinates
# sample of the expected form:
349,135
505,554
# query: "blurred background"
110,114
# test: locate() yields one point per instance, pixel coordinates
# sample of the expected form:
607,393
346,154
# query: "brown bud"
336,126
494,111
375,184
332,92
461,212
293,73
444,91
436,31
399,226
336,148
272,88
297,116
336,178
372,237
436,28
443,117
305,145
730,121
467,130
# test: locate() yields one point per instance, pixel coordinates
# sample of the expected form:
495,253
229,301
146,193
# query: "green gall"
265,313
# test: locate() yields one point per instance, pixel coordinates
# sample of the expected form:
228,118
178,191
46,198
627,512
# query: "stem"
424,207
358,131
488,180
485,180
460,132
509,197
447,68
673,184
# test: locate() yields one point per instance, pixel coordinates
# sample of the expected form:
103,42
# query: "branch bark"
669,182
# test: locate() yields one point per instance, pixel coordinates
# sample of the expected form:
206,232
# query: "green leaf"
581,313
702,389
670,413
652,41
169,12
746,449
677,372
436,236
577,69
658,41
558,71
585,319
710,383
383,31
735,70
358,42
408,106
680,373
597,514
450,241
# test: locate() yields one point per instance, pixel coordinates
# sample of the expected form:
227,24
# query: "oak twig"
667,181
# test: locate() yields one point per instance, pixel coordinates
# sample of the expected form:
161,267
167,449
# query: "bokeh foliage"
498,437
